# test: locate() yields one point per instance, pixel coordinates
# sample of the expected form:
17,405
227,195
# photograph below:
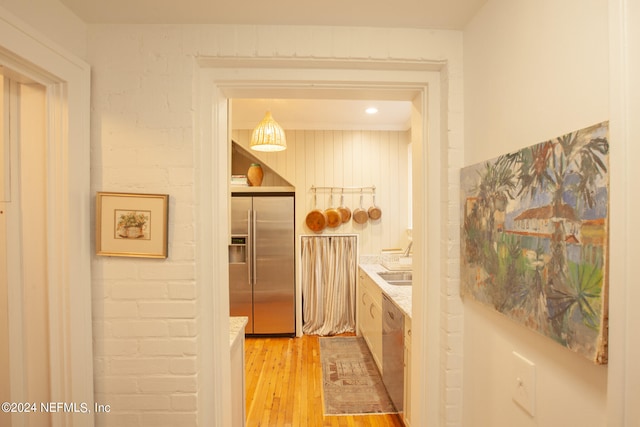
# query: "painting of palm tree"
535,238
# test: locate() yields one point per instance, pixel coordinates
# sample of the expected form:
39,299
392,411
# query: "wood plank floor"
284,387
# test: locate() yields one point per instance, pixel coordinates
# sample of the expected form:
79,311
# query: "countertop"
236,328
400,295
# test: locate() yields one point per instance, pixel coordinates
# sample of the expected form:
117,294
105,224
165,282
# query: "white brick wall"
145,311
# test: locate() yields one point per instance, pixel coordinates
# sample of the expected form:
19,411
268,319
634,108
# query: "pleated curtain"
329,274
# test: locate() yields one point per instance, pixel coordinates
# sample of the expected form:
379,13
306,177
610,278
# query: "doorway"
350,154
222,80
62,81
23,221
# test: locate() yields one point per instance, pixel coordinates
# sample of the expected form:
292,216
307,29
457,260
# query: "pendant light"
268,135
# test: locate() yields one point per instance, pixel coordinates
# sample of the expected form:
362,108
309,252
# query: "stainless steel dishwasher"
393,352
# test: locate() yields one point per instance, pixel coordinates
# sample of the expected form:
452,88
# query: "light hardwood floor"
284,388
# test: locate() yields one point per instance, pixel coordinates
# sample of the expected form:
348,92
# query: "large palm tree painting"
534,238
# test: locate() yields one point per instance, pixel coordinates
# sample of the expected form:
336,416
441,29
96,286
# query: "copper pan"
360,216
334,218
345,212
374,211
316,219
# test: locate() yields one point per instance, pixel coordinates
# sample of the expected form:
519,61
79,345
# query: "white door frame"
624,318
217,81
67,82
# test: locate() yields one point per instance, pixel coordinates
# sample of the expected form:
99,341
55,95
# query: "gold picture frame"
132,225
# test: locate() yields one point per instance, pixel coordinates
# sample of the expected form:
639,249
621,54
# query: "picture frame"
132,224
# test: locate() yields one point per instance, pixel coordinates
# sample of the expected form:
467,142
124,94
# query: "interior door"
25,370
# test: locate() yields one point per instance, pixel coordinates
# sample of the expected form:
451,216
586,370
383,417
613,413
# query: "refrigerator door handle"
254,232
249,249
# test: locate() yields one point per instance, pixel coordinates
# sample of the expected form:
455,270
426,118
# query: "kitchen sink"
397,278
396,275
399,282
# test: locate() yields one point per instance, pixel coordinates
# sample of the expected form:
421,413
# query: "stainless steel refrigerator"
262,262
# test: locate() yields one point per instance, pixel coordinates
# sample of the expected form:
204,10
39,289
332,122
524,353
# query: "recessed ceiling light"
371,110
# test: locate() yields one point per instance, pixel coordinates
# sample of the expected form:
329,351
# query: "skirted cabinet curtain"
329,274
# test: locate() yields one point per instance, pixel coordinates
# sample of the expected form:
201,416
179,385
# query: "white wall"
532,71
347,159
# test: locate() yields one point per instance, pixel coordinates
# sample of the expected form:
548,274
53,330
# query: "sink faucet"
408,250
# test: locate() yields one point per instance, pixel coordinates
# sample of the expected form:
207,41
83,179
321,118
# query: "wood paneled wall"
347,159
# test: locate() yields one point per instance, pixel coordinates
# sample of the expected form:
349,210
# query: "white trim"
623,388
431,187
219,80
66,79
214,400
15,295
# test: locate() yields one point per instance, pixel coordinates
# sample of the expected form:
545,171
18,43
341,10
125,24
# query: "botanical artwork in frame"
534,238
133,225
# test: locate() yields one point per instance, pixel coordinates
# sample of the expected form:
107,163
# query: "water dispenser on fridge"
238,250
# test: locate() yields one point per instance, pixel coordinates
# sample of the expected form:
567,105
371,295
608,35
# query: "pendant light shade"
268,135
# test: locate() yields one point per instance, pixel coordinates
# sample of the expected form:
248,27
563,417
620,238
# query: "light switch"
524,383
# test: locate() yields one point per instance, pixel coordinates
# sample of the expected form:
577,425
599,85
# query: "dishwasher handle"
393,313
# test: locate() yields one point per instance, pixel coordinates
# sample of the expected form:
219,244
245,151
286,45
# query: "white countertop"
236,327
401,295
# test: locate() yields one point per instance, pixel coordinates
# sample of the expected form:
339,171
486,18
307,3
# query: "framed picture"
132,225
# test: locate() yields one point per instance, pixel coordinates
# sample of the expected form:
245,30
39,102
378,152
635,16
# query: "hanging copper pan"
360,216
374,211
345,212
334,218
316,220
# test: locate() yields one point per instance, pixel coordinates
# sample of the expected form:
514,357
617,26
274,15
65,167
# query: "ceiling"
435,14
322,114
295,113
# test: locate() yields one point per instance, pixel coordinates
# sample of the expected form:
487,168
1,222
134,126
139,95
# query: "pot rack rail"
371,189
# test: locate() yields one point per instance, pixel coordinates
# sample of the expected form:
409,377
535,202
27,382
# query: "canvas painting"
534,238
